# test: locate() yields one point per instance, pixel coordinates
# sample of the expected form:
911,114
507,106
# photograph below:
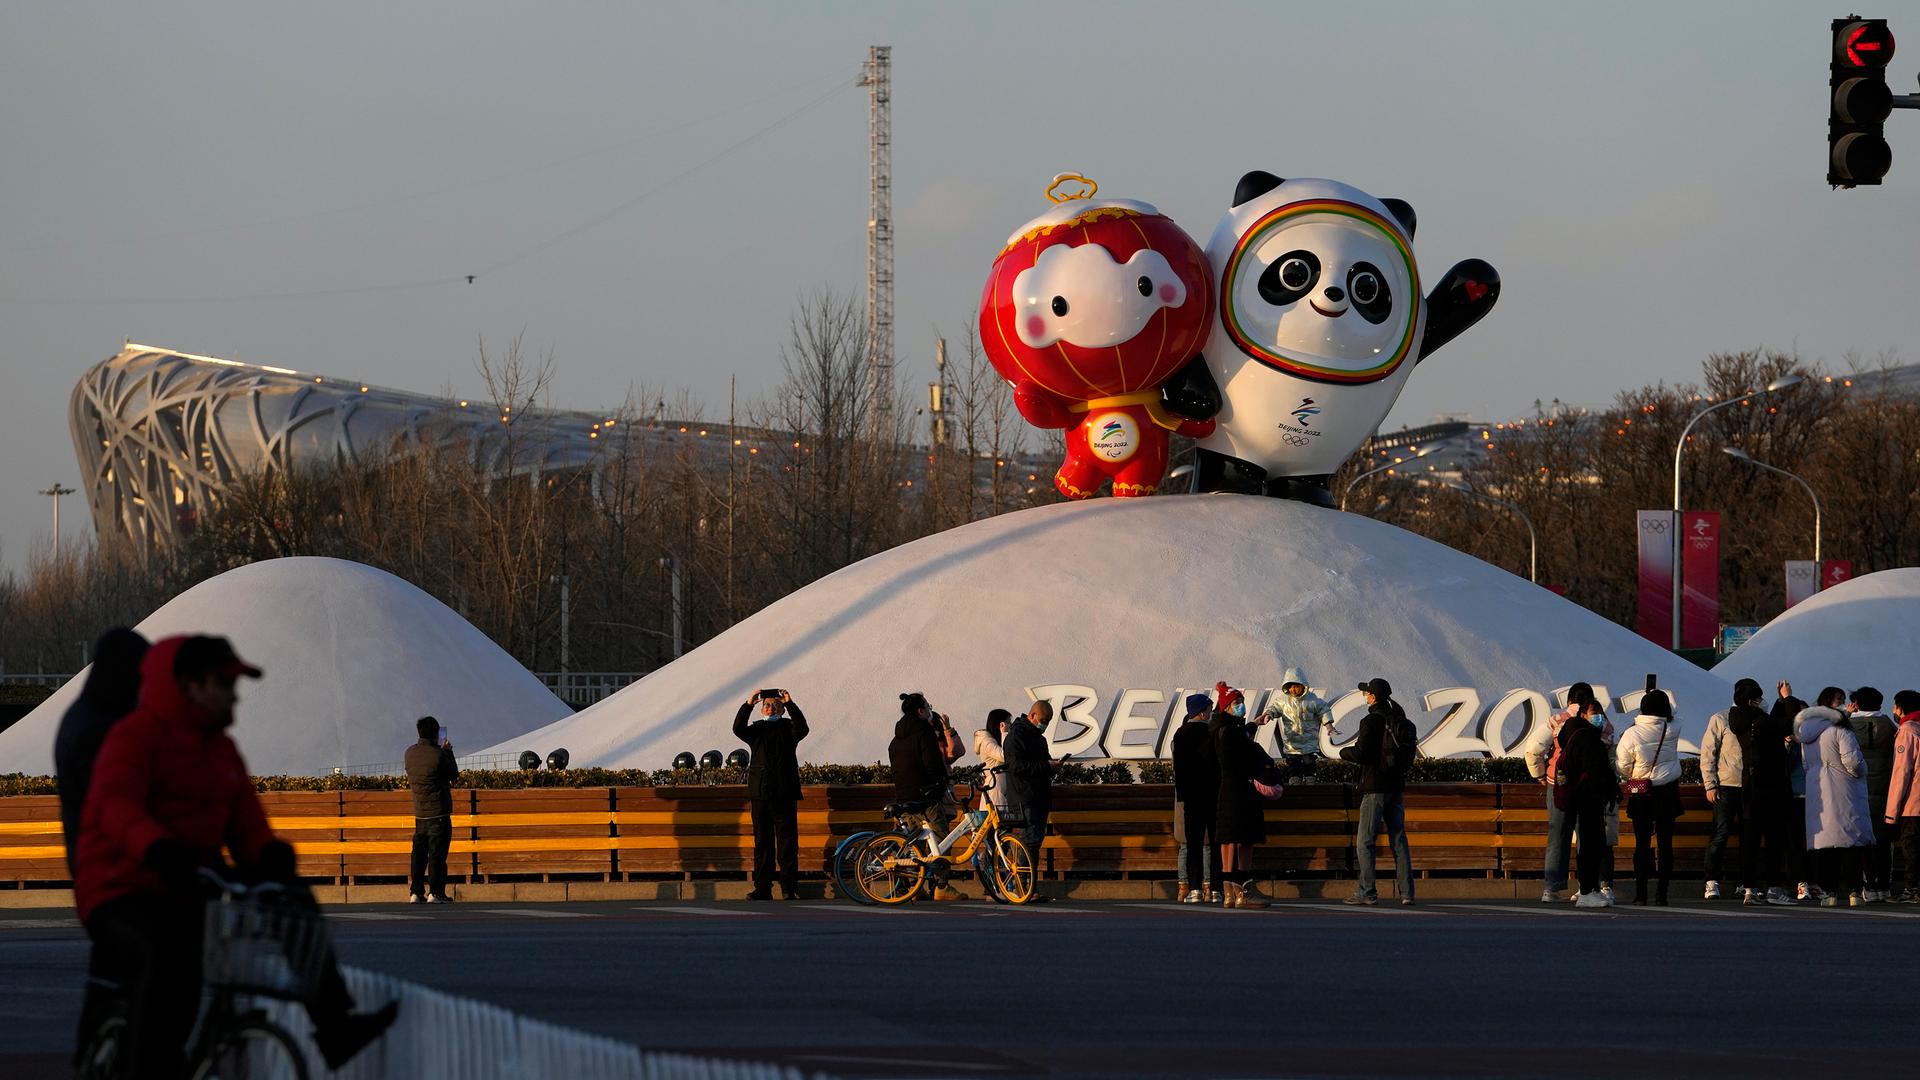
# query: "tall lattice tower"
877,77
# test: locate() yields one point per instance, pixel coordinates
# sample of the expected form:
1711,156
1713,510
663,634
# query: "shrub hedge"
1424,771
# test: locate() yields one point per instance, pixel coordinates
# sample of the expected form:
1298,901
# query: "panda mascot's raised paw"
1319,323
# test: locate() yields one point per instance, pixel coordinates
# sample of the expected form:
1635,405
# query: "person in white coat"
1839,825
1649,751
1299,714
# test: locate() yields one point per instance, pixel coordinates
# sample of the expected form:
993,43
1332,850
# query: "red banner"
1700,570
1654,614
1835,571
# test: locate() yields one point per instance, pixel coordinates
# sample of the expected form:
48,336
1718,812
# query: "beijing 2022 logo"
1113,436
1305,411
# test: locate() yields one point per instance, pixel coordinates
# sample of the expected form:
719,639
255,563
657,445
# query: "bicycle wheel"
252,1050
1013,869
884,885
101,1060
845,858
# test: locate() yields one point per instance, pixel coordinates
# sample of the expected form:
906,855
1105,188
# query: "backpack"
1398,744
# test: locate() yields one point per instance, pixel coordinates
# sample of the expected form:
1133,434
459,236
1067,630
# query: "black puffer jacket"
1763,751
1196,767
1586,765
919,766
774,770
1029,776
1241,815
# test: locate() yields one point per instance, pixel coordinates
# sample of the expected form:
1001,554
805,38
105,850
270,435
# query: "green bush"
24,693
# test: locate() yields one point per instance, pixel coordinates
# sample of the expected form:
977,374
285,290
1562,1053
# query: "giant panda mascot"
1318,323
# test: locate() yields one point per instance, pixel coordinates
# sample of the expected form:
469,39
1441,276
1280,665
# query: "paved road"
1309,989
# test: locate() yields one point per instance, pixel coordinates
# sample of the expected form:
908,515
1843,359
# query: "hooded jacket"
166,772
1721,761
1836,781
1903,791
919,762
1300,719
1876,735
1644,755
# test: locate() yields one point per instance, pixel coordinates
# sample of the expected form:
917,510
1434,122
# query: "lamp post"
1678,448
1741,455
54,492
1396,463
1533,540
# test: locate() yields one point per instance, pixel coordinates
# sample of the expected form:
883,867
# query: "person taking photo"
773,788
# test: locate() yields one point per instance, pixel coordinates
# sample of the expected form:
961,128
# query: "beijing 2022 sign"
1138,724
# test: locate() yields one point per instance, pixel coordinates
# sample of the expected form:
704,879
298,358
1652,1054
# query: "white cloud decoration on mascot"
1319,323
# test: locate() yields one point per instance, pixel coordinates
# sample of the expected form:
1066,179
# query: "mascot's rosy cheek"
1088,311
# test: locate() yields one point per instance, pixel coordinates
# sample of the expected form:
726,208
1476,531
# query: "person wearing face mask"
1240,814
169,792
1768,794
1584,786
1903,790
1877,733
923,748
1029,780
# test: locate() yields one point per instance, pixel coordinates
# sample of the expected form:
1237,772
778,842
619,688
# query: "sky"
645,191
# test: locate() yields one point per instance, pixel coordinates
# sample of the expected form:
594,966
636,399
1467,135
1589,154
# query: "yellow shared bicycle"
891,867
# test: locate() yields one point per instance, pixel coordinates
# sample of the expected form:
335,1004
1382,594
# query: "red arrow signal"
1868,44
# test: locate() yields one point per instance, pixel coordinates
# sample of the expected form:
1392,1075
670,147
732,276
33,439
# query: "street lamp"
54,492
1776,385
1741,455
1394,464
1533,540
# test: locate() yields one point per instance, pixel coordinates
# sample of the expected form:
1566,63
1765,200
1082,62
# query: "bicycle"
256,946
891,867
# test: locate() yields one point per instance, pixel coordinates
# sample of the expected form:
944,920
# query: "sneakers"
1713,890
1251,898
439,898
946,892
1406,901
1591,900
1779,898
1357,900
340,1040
1911,896
416,898
760,894
1191,898
1550,896
1606,890
1213,896
1829,901
1804,895
1854,899
1751,898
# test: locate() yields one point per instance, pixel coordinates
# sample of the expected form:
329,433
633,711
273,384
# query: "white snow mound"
1142,595
352,656
1863,632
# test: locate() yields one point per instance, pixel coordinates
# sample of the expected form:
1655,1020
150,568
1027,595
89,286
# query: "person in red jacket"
169,791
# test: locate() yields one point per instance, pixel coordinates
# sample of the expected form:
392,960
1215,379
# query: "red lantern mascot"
1091,307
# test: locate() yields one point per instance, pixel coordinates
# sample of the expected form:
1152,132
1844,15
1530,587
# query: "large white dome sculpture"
352,655
1863,632
1126,602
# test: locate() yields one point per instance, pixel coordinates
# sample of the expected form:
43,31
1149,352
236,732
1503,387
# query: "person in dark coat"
1382,795
1196,795
1585,785
431,771
1029,780
1785,709
111,691
773,788
1767,794
1240,814
1876,733
924,746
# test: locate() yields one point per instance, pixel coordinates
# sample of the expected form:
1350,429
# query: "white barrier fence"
442,1037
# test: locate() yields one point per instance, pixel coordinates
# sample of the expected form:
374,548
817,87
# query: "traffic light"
1857,151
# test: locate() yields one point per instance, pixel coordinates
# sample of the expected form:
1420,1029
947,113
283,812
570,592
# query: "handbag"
1644,785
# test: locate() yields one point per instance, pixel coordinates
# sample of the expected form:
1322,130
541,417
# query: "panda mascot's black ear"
1253,185
1402,212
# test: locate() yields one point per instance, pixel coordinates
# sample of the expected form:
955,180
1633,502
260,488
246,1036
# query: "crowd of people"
1817,793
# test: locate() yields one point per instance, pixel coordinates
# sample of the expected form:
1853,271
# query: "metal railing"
442,1037
587,687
